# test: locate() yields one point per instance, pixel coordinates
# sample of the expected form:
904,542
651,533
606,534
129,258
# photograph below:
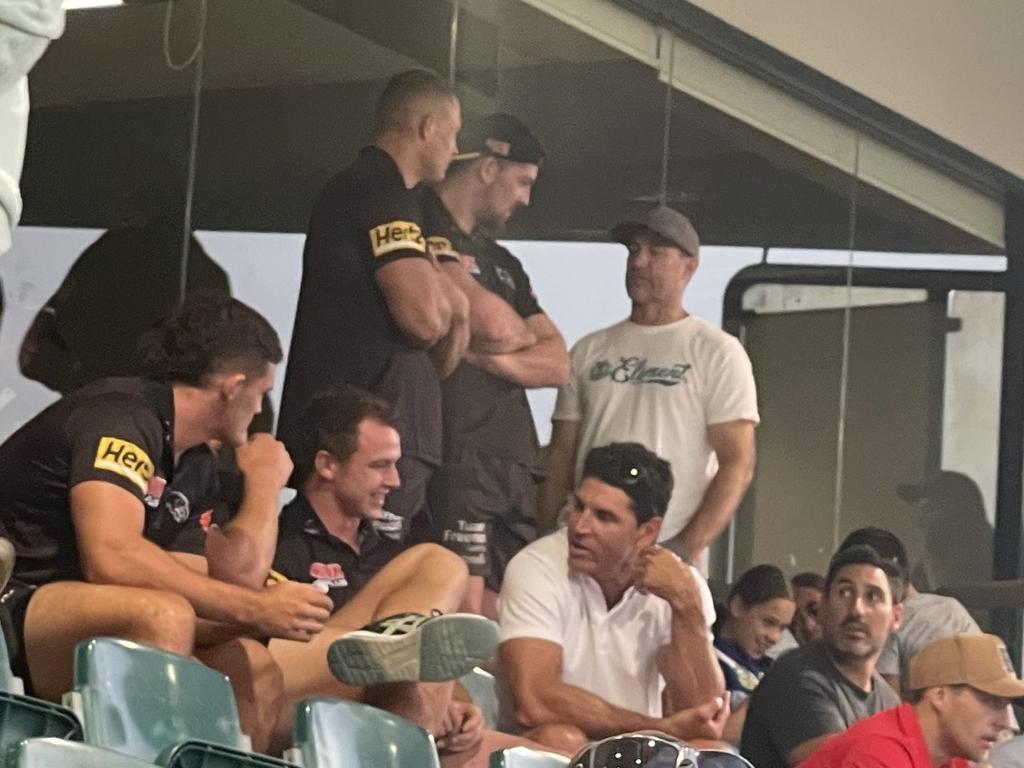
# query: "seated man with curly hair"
103,490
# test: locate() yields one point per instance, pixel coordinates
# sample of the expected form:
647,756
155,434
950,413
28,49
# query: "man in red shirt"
961,688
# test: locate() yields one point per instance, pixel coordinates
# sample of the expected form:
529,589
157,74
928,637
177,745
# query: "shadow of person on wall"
955,527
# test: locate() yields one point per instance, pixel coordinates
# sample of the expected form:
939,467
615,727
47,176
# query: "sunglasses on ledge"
652,750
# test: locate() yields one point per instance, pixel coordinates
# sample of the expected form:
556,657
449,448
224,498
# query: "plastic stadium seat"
158,706
483,689
334,733
524,757
8,682
58,753
23,717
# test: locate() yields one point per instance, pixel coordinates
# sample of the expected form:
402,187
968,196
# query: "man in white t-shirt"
602,630
667,379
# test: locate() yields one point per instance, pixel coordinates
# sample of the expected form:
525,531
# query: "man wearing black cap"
483,496
375,310
667,379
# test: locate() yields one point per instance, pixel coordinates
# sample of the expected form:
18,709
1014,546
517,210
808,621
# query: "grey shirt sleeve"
807,711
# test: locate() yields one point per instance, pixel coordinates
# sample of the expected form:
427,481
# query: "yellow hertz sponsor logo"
440,246
396,235
125,459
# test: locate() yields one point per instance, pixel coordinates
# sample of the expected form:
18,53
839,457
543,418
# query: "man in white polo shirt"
603,631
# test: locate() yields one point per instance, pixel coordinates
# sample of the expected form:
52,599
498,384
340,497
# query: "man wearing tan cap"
961,688
666,379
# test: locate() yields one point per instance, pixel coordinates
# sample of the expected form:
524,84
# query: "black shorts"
484,508
13,607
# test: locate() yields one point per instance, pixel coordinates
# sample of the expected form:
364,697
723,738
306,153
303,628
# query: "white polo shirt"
611,652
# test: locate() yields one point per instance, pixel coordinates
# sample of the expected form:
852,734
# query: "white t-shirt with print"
611,652
662,386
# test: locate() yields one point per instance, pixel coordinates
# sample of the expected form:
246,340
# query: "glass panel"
98,257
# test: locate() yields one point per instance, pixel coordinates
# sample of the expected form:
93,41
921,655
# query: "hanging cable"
168,14
844,367
196,58
453,41
667,124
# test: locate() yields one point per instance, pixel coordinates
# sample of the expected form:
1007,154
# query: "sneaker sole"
445,648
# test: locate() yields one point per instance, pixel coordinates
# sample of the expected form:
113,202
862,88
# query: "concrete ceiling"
289,87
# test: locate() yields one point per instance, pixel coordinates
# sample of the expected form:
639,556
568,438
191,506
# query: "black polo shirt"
307,552
481,411
117,431
364,218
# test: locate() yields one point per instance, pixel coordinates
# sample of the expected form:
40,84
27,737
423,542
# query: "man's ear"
897,616
324,465
229,384
425,125
488,169
647,533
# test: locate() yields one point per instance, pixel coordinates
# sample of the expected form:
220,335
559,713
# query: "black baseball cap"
503,136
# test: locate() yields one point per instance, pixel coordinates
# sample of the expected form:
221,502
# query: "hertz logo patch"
441,246
395,236
125,459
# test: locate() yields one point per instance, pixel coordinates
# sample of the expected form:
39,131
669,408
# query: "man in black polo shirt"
346,460
482,499
102,490
374,308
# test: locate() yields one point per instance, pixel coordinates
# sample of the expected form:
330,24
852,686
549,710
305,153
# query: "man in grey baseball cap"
666,379
667,222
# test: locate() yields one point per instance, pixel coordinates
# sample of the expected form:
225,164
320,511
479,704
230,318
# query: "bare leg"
473,601
63,613
256,681
490,604
558,737
418,580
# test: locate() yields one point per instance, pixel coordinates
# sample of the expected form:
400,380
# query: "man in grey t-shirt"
926,617
825,687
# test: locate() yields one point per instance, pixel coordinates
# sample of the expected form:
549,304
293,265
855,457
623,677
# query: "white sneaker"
411,647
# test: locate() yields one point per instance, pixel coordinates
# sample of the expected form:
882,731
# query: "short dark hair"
808,580
644,476
209,333
863,554
882,541
404,90
330,422
760,584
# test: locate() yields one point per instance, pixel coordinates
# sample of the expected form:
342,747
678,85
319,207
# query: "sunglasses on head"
652,750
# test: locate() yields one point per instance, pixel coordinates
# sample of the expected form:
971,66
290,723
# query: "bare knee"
443,561
164,620
560,737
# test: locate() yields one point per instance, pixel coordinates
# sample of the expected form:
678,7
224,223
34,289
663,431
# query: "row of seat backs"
152,707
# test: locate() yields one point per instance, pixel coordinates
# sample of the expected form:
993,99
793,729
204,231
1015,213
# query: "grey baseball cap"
664,221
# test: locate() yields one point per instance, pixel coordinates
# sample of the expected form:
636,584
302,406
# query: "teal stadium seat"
483,689
158,706
23,717
334,733
59,753
524,757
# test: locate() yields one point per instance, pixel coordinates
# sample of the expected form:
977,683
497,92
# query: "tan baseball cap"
980,661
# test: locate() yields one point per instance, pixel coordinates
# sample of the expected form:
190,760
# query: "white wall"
580,285
954,66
